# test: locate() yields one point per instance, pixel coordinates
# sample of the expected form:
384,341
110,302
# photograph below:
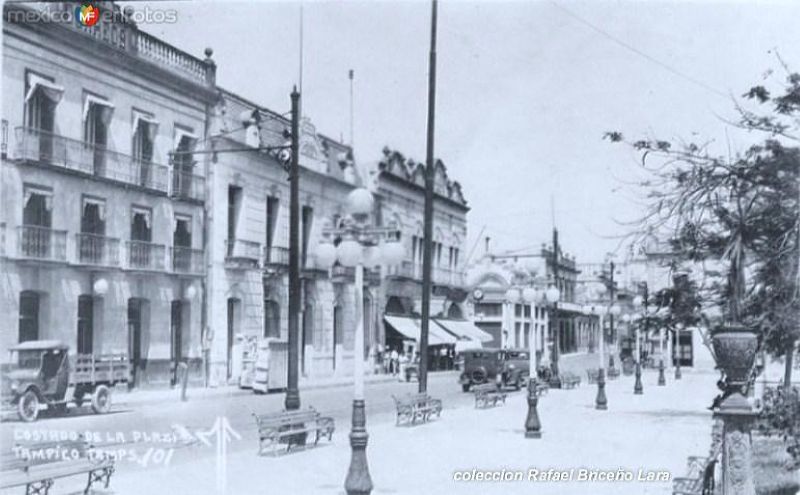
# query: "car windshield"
27,359
516,355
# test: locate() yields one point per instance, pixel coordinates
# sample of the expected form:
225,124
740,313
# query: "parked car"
40,374
508,366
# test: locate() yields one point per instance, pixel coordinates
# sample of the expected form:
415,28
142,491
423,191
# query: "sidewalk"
149,397
652,432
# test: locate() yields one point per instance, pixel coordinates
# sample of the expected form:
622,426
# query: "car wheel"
479,375
101,400
28,406
465,387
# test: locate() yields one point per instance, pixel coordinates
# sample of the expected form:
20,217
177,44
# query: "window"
92,239
517,331
527,332
41,98
307,220
273,207
527,310
85,324
234,205
145,128
272,319
183,163
37,217
518,310
489,309
140,249
28,316
97,112
182,244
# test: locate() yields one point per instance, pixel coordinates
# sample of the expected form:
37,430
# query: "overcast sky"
525,90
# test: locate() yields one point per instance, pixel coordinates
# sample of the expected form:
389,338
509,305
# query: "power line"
641,53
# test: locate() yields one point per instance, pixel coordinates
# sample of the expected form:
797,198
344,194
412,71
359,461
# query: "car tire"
101,399
28,406
479,375
465,387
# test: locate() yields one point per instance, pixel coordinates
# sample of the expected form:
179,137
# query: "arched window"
454,312
394,305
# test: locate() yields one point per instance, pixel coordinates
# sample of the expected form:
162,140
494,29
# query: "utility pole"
292,392
427,248
554,319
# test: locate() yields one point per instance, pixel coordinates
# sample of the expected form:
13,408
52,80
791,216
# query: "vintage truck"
39,374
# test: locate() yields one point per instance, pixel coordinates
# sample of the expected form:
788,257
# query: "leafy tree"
743,209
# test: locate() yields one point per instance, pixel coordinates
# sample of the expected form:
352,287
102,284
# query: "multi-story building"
399,184
248,228
103,236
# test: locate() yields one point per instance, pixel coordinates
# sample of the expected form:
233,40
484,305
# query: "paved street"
423,459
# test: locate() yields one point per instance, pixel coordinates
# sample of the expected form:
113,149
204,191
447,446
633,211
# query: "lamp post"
528,295
551,297
640,301
292,400
355,236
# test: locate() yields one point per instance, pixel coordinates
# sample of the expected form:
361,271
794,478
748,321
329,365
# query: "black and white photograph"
400,247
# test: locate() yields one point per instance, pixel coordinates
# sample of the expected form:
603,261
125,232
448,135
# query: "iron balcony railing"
276,256
52,149
404,269
187,260
42,243
186,185
339,272
145,255
94,249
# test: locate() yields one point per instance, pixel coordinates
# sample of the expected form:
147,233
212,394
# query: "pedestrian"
394,363
402,362
379,359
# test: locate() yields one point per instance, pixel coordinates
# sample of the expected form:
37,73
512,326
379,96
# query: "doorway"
28,316
176,338
234,308
135,324
85,324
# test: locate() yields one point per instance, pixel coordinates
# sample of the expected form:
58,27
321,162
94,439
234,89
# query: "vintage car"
39,373
509,367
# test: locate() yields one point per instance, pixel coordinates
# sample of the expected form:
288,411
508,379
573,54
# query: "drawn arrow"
224,433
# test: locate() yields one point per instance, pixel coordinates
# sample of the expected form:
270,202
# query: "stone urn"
735,349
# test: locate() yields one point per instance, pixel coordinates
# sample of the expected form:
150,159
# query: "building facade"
248,231
103,244
399,185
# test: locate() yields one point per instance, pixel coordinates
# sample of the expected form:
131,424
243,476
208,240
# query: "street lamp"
552,295
639,301
528,295
357,236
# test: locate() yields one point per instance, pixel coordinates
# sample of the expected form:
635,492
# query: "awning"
96,100
51,90
409,328
404,326
465,329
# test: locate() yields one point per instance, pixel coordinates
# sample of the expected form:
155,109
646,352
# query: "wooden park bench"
488,395
413,407
291,428
570,380
37,466
592,376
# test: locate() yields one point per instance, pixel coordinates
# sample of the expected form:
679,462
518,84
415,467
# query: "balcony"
403,270
275,256
188,186
42,243
241,254
119,33
51,149
97,250
145,256
448,277
187,260
343,274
